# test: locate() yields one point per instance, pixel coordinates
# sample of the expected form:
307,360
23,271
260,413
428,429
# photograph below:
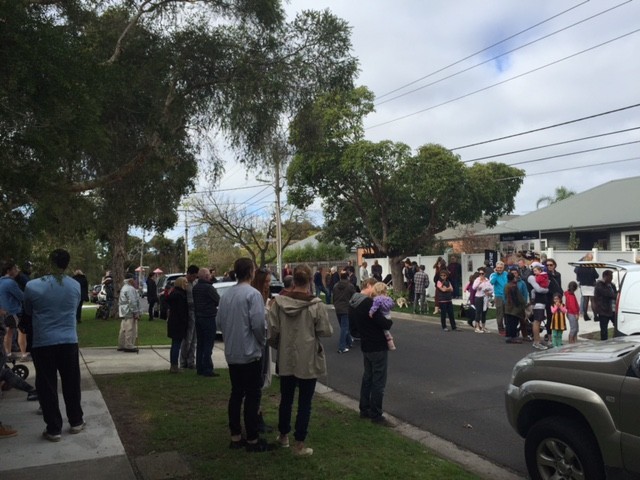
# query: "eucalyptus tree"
382,195
104,105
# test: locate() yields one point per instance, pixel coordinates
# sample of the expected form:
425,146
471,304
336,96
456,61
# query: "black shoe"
237,445
32,396
260,446
214,374
365,415
587,318
382,420
130,350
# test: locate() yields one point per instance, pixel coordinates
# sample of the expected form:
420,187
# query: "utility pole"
141,273
278,189
186,239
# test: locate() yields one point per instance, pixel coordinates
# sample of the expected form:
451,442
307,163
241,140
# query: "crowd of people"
527,296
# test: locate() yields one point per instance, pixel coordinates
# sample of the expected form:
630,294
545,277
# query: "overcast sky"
466,93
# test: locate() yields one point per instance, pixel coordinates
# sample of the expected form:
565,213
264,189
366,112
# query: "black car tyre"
560,447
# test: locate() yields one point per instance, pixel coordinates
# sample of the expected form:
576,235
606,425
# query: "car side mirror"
635,365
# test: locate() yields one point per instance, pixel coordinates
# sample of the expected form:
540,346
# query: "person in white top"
484,290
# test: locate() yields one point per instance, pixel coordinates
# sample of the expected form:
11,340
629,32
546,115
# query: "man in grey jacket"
242,321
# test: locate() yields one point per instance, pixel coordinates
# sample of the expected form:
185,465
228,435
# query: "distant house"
606,217
468,239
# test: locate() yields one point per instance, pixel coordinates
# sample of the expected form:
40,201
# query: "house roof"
310,240
460,231
607,205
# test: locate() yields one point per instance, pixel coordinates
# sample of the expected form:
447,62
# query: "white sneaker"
539,346
478,330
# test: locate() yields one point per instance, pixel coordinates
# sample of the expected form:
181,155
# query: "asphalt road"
448,383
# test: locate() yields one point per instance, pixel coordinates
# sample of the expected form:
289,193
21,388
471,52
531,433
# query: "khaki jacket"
296,324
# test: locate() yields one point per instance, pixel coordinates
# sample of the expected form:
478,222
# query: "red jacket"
572,303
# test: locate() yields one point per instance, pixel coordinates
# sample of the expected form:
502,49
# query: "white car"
627,276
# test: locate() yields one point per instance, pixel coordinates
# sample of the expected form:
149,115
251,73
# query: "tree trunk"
117,241
396,264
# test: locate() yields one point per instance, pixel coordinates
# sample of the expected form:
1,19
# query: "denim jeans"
205,334
345,337
419,300
246,385
174,353
306,388
49,361
374,380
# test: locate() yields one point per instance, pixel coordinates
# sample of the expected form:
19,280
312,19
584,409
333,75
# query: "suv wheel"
560,447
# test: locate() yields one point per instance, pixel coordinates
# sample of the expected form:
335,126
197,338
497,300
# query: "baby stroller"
468,312
102,312
20,370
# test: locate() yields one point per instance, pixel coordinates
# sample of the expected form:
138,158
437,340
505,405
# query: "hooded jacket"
296,323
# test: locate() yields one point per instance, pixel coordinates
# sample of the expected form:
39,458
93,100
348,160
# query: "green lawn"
104,333
159,412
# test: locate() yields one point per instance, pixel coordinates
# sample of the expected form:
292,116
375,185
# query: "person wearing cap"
129,311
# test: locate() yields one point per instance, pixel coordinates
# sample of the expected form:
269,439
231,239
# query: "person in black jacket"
152,293
374,350
205,304
342,293
587,278
178,320
604,303
84,292
555,288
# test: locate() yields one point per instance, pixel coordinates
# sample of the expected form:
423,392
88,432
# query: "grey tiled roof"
615,203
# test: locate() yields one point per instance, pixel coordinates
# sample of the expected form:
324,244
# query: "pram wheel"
21,370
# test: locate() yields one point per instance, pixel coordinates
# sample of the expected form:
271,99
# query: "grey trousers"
188,346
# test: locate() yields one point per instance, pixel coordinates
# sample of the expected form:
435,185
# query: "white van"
627,276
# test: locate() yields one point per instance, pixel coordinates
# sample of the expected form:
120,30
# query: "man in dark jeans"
374,351
241,318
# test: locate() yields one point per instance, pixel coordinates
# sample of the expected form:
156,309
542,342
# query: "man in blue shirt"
52,301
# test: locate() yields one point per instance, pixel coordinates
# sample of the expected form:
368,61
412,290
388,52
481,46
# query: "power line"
551,145
483,50
503,81
573,153
568,122
501,55
568,169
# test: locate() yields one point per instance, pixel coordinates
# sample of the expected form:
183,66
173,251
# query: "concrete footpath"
98,453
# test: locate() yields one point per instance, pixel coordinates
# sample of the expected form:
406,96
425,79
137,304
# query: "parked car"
275,285
577,406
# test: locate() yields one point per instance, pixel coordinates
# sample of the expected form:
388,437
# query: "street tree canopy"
105,106
382,195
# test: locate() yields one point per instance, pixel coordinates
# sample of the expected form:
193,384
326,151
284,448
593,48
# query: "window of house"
630,240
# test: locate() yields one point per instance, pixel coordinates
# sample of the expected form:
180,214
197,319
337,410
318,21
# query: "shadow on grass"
159,412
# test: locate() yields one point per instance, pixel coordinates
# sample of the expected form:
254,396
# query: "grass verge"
104,333
159,412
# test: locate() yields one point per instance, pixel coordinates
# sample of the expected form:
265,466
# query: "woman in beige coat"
296,323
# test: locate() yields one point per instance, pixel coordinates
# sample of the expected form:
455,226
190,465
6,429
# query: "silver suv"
578,409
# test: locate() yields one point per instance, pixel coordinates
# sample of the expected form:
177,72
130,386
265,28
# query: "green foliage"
322,252
380,195
574,241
